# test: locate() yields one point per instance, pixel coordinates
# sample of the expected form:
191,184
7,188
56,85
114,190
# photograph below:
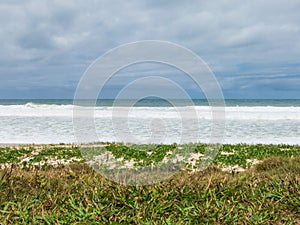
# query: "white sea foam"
203,112
46,123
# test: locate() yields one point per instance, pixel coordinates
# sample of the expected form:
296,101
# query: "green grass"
266,193
242,154
12,155
28,155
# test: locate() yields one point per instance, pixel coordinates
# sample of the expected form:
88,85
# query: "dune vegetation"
245,184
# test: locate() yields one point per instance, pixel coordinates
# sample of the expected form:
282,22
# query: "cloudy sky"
253,47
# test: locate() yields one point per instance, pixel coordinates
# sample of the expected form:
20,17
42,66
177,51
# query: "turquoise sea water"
162,103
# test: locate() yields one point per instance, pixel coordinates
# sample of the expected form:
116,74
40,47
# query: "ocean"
252,121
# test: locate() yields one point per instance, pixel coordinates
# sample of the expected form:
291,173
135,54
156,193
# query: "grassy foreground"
53,185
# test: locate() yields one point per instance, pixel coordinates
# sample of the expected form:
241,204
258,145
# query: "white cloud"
54,37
